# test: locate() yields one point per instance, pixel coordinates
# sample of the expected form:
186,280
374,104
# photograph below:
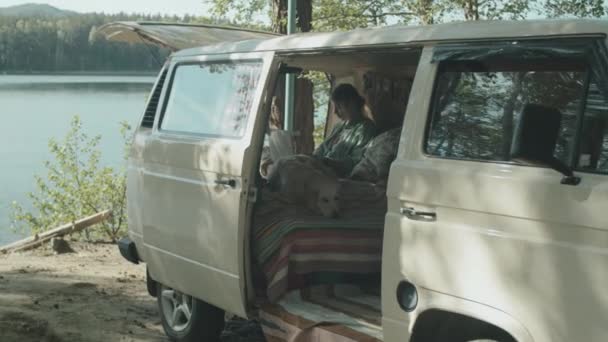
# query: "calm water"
36,108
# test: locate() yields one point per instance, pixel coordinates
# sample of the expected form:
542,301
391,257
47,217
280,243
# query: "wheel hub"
176,308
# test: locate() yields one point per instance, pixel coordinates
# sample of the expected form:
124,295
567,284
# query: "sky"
179,7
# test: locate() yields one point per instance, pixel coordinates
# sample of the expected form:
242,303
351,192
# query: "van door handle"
226,182
416,215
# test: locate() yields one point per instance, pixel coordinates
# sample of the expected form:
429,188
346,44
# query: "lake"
36,108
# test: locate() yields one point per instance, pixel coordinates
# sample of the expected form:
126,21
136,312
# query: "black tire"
205,324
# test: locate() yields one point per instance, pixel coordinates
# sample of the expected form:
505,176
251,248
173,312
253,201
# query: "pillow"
379,154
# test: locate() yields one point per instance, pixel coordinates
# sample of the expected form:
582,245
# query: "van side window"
593,145
477,106
212,99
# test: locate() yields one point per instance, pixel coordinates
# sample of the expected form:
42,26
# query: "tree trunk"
304,15
277,118
304,105
304,116
471,10
279,25
424,10
279,16
68,228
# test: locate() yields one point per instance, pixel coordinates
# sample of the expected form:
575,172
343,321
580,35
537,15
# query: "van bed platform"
333,313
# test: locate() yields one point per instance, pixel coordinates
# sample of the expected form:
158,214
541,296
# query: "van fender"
429,300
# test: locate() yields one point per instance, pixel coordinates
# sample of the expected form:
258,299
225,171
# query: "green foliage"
243,11
575,8
321,92
331,15
489,9
318,133
328,15
76,185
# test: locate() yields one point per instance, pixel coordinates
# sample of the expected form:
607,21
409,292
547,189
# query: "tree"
576,8
489,9
330,15
425,11
42,44
337,14
76,186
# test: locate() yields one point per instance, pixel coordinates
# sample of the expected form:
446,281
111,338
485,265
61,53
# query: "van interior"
305,264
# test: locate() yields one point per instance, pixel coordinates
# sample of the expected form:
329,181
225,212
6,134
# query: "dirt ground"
90,295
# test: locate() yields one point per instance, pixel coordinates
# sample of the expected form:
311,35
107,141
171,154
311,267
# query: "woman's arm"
361,137
353,148
324,149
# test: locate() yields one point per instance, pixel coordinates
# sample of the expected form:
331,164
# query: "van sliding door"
198,174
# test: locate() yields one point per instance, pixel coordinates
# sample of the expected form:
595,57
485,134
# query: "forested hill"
29,10
42,38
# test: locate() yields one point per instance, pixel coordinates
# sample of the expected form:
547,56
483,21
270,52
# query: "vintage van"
489,225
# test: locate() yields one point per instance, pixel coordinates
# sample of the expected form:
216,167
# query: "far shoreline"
80,73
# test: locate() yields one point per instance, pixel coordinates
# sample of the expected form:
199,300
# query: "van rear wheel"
187,319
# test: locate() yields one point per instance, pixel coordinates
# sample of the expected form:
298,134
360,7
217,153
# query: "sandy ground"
90,295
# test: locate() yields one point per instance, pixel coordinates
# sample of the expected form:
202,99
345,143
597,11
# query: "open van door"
196,174
191,164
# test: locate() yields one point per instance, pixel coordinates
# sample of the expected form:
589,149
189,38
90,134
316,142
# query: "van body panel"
531,259
194,201
510,245
508,236
396,329
433,300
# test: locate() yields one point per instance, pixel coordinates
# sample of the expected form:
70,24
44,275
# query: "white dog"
307,181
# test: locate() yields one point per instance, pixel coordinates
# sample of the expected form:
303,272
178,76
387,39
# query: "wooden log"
68,228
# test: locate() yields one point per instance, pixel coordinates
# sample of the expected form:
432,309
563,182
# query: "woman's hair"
347,93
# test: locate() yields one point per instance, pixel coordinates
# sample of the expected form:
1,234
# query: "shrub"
77,185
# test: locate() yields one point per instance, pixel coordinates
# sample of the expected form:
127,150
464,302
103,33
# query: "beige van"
489,225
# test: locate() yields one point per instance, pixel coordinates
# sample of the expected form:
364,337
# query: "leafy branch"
76,185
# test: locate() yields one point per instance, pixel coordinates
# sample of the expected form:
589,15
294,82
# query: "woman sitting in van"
344,147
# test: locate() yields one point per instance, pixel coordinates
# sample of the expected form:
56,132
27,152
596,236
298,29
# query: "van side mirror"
535,139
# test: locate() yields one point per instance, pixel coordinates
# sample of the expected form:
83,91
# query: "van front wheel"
187,319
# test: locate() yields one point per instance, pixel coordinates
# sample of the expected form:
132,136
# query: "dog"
306,181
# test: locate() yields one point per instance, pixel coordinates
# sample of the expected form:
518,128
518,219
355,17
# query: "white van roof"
400,34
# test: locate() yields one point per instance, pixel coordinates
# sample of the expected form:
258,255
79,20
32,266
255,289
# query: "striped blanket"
333,313
294,248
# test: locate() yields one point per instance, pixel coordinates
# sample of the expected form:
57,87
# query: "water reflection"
35,108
